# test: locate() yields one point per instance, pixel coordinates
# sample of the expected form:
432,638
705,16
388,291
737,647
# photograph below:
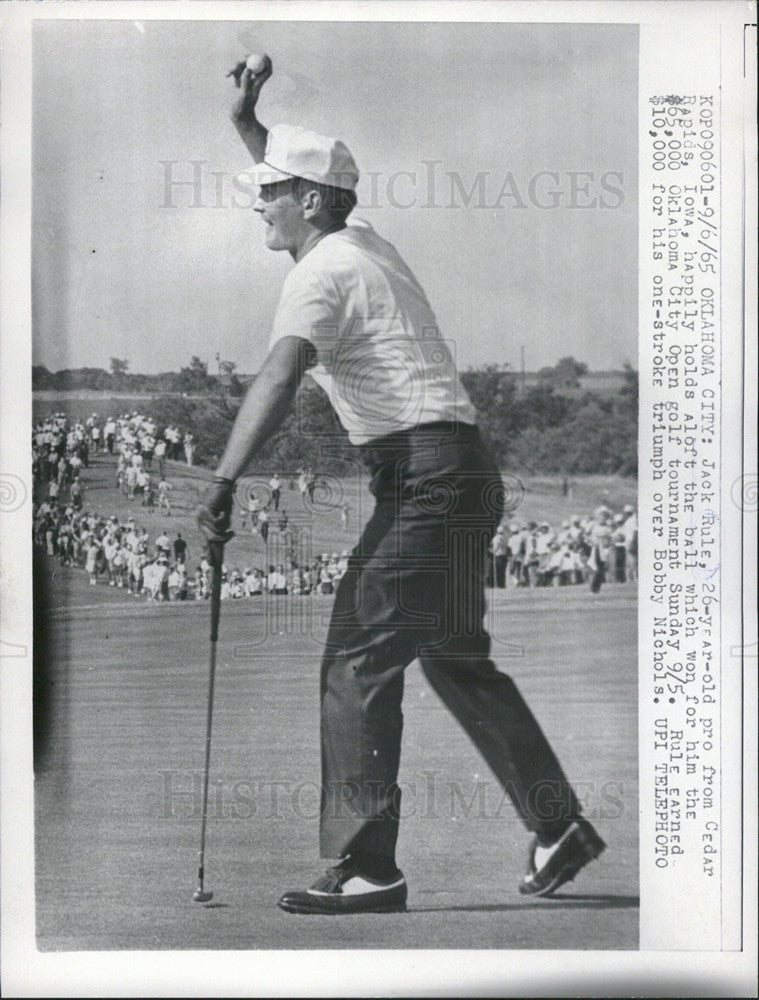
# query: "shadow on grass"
558,901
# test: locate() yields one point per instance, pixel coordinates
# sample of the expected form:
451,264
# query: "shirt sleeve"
308,308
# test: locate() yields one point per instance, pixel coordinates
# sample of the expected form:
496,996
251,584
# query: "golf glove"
215,516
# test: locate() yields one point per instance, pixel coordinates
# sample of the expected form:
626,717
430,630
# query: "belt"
401,442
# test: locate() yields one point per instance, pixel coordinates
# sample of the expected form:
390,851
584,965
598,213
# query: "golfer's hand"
215,516
250,84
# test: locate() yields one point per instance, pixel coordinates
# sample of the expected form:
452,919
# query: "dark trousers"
414,589
620,554
500,564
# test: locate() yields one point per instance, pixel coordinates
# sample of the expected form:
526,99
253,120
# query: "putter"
216,558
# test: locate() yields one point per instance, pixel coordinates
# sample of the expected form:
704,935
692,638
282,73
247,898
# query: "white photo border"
28,972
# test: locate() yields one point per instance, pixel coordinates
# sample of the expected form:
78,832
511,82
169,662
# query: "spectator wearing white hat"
91,559
164,502
275,485
544,539
131,480
555,576
499,550
159,453
532,555
277,582
76,492
120,559
109,433
630,531
516,546
263,524
110,548
600,542
151,580
253,582
135,564
162,575
236,585
163,545
141,485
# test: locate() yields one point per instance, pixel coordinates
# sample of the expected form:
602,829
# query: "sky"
500,159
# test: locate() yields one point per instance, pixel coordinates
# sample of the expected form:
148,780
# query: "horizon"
508,368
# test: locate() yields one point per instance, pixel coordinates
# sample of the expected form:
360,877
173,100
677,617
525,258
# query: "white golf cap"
292,151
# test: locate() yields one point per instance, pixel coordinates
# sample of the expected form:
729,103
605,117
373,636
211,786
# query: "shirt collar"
316,238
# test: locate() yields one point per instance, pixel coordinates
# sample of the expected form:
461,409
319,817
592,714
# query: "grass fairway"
118,796
78,404
118,803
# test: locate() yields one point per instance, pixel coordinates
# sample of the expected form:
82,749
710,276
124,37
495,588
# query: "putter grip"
216,558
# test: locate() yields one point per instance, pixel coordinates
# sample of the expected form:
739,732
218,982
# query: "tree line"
194,379
551,427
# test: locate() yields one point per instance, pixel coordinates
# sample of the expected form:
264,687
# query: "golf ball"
256,63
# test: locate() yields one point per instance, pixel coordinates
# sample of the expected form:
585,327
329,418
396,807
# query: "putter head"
199,896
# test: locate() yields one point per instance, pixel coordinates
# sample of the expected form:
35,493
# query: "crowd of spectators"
124,555
588,551
595,549
591,550
60,448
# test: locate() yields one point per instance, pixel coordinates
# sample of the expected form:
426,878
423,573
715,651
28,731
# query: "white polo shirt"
380,356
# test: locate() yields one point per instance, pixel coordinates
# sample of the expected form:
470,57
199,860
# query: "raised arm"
243,113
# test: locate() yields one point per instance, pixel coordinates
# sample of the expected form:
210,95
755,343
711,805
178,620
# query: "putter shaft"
216,553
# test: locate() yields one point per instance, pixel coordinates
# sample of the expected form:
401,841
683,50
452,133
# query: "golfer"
353,315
